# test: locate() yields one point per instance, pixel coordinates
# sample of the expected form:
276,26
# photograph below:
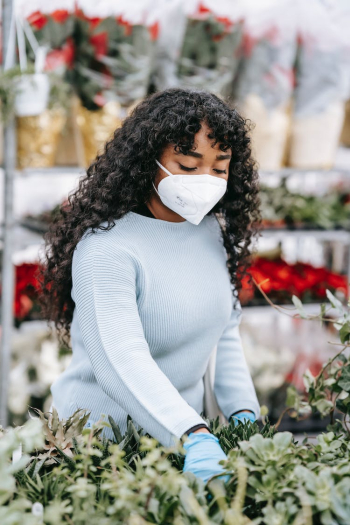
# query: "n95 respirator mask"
191,196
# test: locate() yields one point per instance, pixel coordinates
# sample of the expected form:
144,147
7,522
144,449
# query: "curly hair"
120,179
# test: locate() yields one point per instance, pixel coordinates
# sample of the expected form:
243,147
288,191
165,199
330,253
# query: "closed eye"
185,168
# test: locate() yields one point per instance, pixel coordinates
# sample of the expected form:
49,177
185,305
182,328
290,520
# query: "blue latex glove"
243,416
203,453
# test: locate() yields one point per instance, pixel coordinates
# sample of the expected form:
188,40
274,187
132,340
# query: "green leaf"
293,397
344,405
324,406
116,430
334,301
70,462
344,380
344,332
299,306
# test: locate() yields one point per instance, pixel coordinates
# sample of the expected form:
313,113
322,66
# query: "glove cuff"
201,437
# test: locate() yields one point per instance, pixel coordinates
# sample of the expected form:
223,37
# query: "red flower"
127,25
60,15
217,38
338,281
100,43
93,21
58,57
202,9
27,287
225,21
37,20
26,276
276,276
154,31
22,307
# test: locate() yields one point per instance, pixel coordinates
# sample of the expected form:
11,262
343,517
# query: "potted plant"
39,122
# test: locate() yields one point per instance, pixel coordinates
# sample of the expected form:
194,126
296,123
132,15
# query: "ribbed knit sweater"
152,300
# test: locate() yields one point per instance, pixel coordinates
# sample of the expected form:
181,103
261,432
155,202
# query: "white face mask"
191,196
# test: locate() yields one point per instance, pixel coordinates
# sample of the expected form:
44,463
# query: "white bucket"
32,94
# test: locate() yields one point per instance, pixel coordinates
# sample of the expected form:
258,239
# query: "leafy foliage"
80,477
329,390
75,475
280,206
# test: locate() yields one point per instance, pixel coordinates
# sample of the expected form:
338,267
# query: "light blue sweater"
152,299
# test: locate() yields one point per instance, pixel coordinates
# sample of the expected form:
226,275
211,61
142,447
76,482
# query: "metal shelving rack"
10,223
7,276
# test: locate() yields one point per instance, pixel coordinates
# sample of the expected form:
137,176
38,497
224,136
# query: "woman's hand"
203,454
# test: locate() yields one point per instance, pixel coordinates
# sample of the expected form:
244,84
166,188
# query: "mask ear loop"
166,171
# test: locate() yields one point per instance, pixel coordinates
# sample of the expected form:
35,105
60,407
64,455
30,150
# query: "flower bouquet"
264,84
114,47
322,85
53,24
37,98
208,57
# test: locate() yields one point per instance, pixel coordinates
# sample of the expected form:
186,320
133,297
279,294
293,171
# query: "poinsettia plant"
55,30
280,280
209,54
113,59
26,292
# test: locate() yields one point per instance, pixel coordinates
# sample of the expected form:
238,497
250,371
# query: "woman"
141,276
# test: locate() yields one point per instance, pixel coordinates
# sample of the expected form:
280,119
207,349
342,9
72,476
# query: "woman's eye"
187,169
220,171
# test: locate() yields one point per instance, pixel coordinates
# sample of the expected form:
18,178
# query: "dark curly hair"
121,177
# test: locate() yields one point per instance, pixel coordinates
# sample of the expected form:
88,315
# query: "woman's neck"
162,212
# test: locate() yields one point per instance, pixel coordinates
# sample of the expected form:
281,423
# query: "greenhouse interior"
175,379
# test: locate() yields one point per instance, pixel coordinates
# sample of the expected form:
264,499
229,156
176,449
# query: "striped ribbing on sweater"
152,300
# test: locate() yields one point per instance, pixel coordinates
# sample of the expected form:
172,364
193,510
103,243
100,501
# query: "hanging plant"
8,93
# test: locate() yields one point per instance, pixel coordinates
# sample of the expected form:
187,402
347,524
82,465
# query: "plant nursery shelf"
57,170
309,308
321,235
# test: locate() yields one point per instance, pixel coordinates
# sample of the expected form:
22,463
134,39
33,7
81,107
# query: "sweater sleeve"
105,296
233,384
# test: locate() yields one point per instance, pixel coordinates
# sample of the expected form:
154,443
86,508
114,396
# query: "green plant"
59,91
82,478
329,390
8,92
135,480
282,206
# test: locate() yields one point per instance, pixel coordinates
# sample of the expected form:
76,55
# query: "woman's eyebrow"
200,156
192,154
223,157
